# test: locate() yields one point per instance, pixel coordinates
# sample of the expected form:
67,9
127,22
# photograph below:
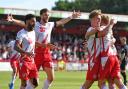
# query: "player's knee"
100,83
51,79
14,71
35,82
23,84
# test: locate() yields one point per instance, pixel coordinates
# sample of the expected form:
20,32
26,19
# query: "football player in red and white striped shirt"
110,67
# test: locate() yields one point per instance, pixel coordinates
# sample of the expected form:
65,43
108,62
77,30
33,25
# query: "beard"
30,27
45,20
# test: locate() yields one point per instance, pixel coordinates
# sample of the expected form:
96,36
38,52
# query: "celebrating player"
93,47
25,45
109,68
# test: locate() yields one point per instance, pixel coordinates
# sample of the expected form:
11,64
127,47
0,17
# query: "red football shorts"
43,60
111,69
14,62
92,73
28,69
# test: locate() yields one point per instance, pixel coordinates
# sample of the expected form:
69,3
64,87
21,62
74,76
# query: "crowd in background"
69,47
5,38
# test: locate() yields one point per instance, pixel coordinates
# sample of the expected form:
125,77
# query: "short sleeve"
53,24
89,29
19,37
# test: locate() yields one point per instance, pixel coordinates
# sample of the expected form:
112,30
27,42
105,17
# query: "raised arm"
65,20
111,24
107,28
15,21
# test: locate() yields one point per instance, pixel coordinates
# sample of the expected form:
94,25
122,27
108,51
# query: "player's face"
31,24
96,21
45,17
123,40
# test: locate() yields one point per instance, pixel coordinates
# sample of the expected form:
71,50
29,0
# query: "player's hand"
30,54
85,43
98,28
113,21
76,14
51,46
113,41
10,18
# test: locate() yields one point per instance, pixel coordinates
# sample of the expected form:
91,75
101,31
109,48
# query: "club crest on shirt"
42,29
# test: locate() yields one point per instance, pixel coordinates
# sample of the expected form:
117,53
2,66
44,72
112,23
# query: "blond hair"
94,13
105,19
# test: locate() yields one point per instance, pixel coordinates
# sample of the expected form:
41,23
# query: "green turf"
63,80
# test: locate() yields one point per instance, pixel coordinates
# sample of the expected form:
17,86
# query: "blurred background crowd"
69,47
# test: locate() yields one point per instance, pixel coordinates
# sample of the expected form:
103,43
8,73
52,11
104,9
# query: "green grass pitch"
63,80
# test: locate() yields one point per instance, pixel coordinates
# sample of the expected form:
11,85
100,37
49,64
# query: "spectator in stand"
4,52
123,56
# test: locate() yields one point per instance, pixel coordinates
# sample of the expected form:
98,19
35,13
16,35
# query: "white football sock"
29,85
46,84
123,87
104,86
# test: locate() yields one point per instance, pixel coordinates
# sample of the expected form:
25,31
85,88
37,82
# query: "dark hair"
28,17
94,13
43,11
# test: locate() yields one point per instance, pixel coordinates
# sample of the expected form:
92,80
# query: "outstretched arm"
15,21
65,20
